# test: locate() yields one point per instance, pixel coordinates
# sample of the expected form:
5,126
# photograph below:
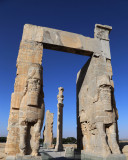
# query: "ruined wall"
30,52
48,130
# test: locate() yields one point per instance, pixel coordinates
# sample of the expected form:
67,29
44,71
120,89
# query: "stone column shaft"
59,145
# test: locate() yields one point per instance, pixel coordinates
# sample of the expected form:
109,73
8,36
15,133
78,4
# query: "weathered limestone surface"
48,130
28,84
60,98
97,113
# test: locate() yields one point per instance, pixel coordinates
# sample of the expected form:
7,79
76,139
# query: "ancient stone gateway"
97,131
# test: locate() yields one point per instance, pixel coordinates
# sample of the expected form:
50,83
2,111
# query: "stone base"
47,146
69,152
87,156
26,157
59,148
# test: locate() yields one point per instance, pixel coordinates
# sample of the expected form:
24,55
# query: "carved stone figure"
60,98
48,130
31,113
97,110
97,114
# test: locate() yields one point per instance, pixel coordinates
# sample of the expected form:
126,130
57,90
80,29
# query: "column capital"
102,31
60,96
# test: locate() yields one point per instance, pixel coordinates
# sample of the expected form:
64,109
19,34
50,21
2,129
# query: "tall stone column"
60,98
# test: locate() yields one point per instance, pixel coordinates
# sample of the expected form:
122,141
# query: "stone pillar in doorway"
60,98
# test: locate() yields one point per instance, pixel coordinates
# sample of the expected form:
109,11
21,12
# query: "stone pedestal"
24,157
60,97
90,156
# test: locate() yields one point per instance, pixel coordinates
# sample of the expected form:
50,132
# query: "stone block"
30,48
22,68
91,44
109,68
20,83
69,152
32,33
10,158
102,31
15,100
105,49
70,40
116,157
30,52
36,58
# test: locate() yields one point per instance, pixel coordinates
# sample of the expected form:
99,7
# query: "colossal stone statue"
97,110
31,113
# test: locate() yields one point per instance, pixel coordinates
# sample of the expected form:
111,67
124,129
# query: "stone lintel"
61,40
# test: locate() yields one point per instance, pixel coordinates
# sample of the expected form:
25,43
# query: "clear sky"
60,69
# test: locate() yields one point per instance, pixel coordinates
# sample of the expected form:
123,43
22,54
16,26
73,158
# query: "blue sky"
60,69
